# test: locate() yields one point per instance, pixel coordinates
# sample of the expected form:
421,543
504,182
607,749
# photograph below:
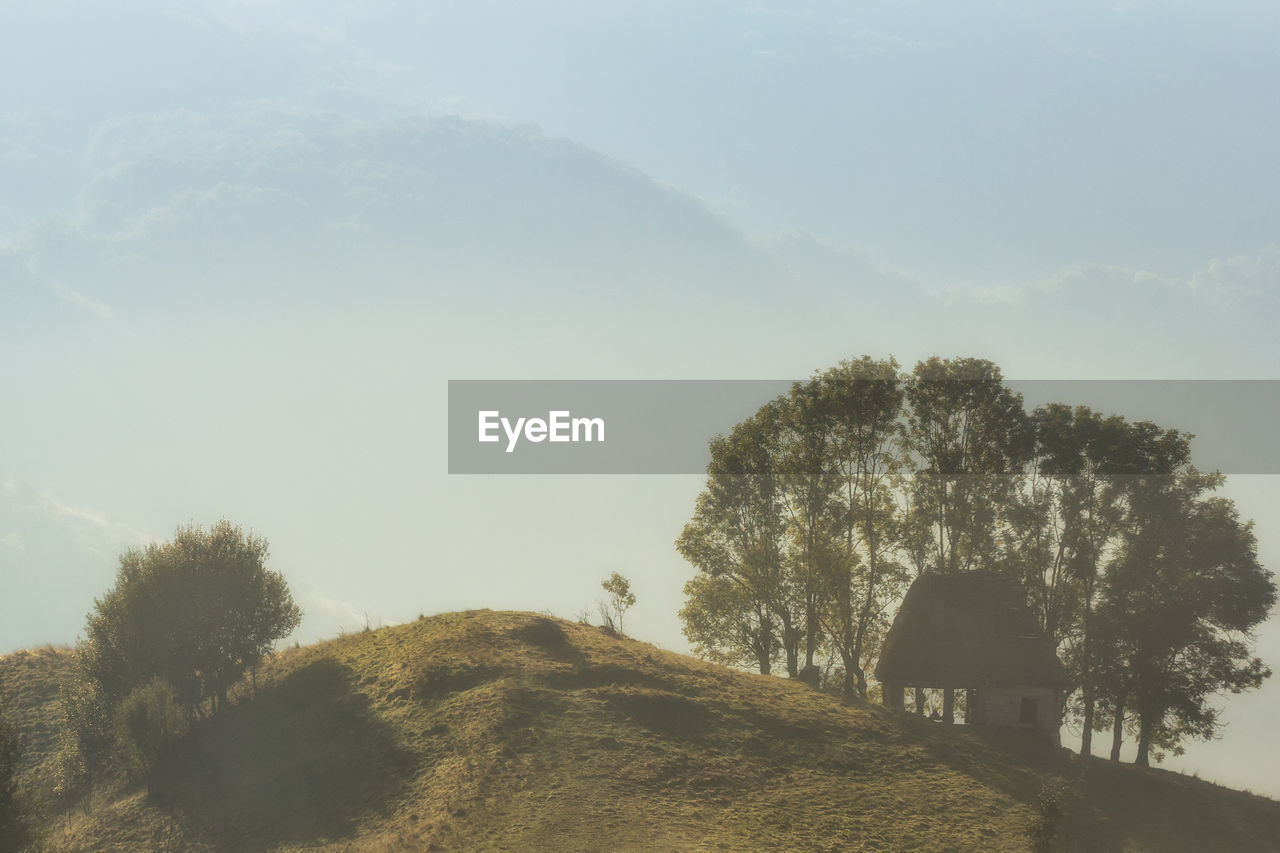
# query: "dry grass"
512,731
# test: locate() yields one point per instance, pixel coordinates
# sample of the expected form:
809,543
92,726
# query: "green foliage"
970,439
739,532
147,722
725,624
621,599
86,738
197,612
1047,826
1182,597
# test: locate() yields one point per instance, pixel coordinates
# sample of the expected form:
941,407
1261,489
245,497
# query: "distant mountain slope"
512,731
313,205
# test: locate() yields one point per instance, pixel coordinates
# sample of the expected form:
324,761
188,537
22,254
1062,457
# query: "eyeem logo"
559,426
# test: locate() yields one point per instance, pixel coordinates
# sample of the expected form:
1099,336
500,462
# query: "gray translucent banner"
662,426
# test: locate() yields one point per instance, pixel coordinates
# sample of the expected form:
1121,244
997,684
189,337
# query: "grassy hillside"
512,731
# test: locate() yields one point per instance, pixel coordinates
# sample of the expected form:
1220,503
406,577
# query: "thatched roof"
972,629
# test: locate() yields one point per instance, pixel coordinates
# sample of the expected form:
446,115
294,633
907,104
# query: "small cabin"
974,632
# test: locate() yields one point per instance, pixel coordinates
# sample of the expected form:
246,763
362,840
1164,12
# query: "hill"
514,731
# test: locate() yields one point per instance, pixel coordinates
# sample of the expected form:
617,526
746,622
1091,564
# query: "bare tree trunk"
1144,742
1086,736
949,706
790,642
1086,684
864,615
920,701
810,628
1117,730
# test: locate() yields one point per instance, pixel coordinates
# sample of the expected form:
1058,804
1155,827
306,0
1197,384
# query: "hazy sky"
244,245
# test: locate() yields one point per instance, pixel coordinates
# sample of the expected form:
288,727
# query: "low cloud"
80,300
1222,282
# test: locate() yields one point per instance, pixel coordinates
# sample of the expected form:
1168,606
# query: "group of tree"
821,507
185,621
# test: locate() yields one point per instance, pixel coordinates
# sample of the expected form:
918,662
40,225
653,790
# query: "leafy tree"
738,532
86,736
970,438
864,403
727,624
807,468
197,612
1066,522
620,600
1182,597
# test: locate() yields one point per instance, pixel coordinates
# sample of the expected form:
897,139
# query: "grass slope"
512,731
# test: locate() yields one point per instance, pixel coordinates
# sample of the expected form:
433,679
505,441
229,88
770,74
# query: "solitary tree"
197,612
620,600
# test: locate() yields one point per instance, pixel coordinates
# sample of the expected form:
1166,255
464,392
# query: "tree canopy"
197,612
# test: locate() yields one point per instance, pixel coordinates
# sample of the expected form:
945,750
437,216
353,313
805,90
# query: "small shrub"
148,720
1047,826
621,599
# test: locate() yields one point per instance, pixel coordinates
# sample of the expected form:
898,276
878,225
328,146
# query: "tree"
197,612
1182,598
86,735
738,532
620,600
727,624
970,438
1066,522
807,468
864,403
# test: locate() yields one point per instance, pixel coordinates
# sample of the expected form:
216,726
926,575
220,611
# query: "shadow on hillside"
1130,808
1109,808
668,714
304,760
